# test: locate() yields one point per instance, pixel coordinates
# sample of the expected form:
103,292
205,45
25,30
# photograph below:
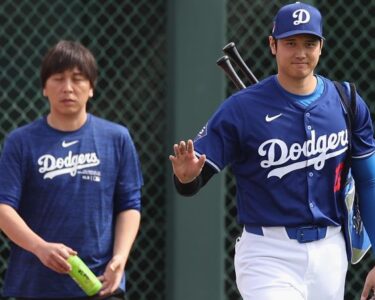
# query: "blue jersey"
286,157
68,187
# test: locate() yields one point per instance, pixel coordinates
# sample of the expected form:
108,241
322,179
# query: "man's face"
68,92
297,56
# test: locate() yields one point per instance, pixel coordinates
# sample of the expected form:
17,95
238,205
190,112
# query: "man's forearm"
17,230
191,188
127,226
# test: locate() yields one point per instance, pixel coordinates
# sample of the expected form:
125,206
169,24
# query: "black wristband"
191,188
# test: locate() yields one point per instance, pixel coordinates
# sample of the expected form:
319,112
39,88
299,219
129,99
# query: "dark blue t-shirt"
68,187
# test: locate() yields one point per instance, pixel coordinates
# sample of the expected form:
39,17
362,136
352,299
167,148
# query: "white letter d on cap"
302,16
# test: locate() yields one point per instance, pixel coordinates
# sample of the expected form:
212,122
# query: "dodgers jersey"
68,187
286,157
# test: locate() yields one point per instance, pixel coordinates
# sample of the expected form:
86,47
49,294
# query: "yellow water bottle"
83,276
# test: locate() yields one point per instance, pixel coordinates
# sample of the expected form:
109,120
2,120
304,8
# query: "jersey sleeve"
363,136
11,172
219,139
130,180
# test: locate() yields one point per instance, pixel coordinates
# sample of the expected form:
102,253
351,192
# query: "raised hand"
186,165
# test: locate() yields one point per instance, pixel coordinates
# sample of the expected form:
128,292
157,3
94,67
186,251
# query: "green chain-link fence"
348,54
128,38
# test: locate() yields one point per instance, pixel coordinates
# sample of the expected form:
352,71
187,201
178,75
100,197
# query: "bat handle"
231,51
224,63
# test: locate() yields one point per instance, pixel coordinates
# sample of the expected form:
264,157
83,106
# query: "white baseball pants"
274,267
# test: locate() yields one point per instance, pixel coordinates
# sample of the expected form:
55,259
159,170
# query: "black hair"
67,55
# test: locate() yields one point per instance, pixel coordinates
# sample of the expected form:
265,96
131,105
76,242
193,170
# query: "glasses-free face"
296,56
68,92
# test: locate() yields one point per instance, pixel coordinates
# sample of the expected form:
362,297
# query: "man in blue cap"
286,140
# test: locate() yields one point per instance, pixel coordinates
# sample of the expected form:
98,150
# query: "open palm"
186,165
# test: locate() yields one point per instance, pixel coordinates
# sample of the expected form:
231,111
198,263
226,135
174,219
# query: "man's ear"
272,43
321,46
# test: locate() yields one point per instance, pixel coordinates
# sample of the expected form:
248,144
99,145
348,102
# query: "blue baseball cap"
297,18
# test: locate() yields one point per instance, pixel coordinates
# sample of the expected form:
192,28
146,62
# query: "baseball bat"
224,63
231,51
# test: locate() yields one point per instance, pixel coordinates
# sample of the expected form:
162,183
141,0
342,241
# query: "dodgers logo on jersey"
302,16
52,166
313,152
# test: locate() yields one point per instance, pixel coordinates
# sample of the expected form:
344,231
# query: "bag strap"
350,106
